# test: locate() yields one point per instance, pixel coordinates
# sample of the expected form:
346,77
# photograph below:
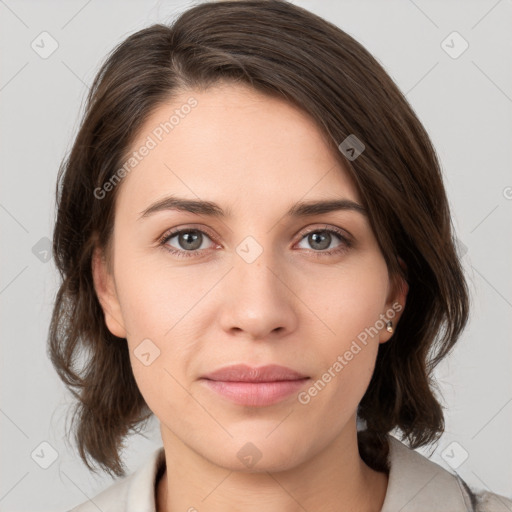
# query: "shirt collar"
416,484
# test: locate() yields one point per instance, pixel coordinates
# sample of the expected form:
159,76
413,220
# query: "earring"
389,326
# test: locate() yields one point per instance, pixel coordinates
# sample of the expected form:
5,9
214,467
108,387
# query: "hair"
285,51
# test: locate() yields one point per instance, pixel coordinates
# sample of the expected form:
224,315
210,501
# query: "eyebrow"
209,208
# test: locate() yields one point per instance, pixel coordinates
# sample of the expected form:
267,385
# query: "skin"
293,306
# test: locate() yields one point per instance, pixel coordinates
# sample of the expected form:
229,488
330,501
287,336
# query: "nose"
258,300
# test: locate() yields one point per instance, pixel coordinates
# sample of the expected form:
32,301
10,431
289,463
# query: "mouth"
255,387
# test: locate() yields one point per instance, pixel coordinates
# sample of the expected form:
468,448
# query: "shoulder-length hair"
282,50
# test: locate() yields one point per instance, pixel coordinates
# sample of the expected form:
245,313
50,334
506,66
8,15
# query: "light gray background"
465,105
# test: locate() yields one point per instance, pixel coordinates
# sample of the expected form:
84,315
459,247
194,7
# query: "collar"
416,484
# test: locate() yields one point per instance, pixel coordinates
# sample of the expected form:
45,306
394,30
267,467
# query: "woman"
213,157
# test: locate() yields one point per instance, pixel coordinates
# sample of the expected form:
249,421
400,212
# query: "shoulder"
132,493
417,484
490,502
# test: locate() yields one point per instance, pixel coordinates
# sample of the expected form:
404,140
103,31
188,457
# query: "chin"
255,454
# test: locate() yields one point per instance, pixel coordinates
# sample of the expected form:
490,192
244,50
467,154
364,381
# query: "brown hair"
282,50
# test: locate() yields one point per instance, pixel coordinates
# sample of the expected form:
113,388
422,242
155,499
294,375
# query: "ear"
395,304
107,294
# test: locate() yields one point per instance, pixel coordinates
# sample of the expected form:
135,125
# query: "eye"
189,242
321,239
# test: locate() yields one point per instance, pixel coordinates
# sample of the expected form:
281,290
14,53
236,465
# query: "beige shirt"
416,484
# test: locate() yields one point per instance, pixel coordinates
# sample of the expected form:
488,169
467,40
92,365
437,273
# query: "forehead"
232,144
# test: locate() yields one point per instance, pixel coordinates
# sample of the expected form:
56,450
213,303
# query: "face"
255,286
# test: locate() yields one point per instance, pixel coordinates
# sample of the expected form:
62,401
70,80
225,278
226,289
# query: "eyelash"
344,246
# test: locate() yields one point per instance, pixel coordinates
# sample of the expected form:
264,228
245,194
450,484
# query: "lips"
255,387
244,373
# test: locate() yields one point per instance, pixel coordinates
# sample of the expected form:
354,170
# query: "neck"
337,474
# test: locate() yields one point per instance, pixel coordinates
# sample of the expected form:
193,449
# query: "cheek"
346,363
155,298
349,297
349,303
157,306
